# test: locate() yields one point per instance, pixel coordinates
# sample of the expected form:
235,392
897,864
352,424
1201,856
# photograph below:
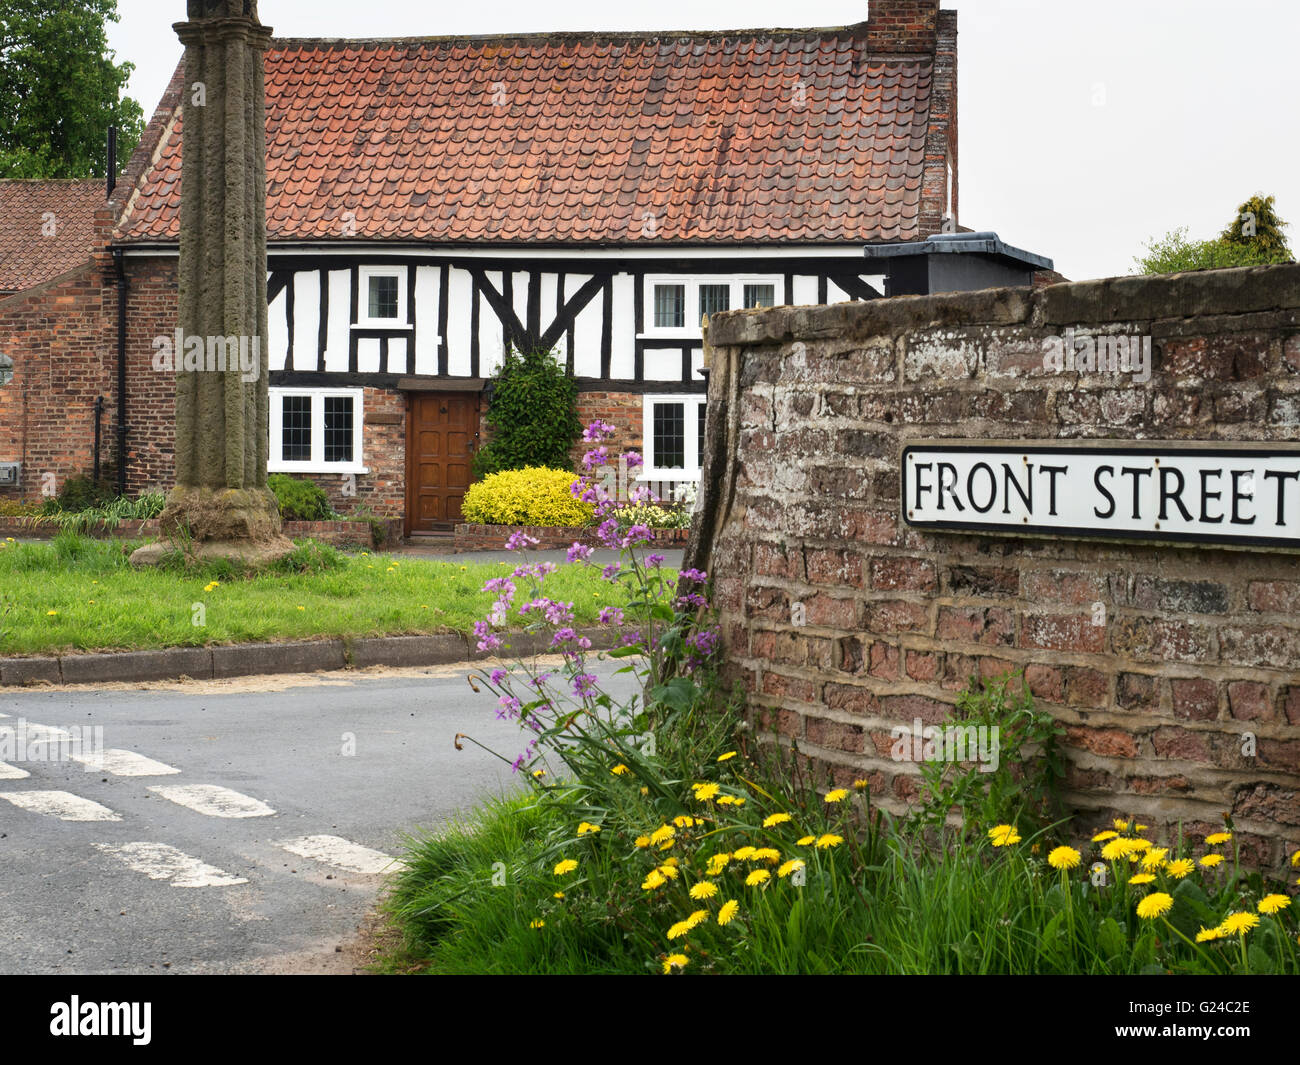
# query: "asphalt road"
190,879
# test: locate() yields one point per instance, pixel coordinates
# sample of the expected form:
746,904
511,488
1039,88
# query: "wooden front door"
442,433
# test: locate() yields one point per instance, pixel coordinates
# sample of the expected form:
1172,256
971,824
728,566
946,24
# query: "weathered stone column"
220,498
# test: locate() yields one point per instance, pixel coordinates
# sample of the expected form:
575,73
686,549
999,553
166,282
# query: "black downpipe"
99,417
121,371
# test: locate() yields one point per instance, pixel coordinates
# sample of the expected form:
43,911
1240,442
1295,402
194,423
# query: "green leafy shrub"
104,515
16,508
533,415
80,493
531,496
299,499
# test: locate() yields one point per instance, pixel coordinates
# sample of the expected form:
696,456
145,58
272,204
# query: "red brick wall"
899,26
55,335
1196,647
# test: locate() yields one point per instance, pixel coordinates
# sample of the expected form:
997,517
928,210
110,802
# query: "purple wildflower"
697,575
637,534
579,553
584,684
611,615
611,571
654,561
597,430
499,677
633,460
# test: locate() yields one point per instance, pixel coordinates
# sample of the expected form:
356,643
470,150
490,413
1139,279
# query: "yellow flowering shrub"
532,496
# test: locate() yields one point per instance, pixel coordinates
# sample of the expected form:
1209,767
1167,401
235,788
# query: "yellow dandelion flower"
675,961
1274,903
838,795
766,854
1238,924
586,828
1154,858
775,819
697,918
558,895
1004,835
1208,935
51,613
704,792
668,871
727,756
730,800
1211,860
757,877
829,840
1140,828
789,867
645,790
718,863
539,773
1122,826
642,841
1064,858
1157,904
667,845
654,879
705,889
685,821
1215,838
803,841
566,866
620,770
679,929
1181,868
671,862
1295,859
1101,837
536,924
1115,849
744,852
1142,878
662,833
1135,845
860,785
728,911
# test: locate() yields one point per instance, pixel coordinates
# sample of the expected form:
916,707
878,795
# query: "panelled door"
442,433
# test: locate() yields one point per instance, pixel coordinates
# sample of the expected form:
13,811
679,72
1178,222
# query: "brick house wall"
1195,647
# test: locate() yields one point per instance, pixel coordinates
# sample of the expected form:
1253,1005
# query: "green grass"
99,602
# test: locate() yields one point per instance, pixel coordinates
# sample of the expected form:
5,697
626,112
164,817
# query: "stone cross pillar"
220,499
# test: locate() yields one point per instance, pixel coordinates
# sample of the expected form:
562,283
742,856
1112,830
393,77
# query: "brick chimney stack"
900,27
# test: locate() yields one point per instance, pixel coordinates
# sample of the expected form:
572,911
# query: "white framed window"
316,430
675,303
673,437
381,297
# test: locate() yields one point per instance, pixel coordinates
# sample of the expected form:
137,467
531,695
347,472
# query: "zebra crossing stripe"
61,804
158,861
213,800
341,854
120,763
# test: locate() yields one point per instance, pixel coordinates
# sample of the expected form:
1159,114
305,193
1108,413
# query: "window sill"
311,467
670,475
385,323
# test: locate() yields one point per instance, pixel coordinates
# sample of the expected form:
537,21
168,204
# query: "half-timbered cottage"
433,202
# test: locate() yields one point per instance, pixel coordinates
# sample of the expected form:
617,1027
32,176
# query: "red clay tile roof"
46,229
746,136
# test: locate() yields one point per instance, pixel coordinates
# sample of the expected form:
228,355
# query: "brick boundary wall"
810,410
337,533
550,538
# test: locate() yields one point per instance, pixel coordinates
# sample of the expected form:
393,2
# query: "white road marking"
124,764
43,733
12,772
160,862
61,804
213,800
340,853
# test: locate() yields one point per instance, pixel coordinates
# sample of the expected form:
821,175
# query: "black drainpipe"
121,371
99,417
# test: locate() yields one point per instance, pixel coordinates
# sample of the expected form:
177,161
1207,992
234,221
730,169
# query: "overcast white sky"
1086,126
